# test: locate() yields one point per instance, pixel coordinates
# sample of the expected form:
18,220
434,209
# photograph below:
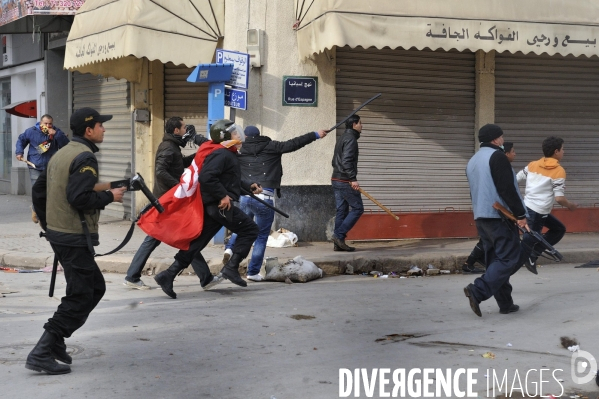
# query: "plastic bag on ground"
281,238
298,270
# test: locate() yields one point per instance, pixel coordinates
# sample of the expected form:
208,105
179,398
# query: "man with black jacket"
260,159
491,180
220,183
345,183
169,166
74,196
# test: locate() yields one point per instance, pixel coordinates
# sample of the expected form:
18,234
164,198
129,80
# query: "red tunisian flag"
183,216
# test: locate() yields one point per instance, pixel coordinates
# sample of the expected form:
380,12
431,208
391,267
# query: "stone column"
485,91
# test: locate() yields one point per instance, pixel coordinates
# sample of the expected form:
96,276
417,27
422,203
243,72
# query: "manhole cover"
17,353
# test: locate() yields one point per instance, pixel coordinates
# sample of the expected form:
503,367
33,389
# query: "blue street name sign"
236,98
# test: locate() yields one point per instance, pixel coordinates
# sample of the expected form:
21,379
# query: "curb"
330,265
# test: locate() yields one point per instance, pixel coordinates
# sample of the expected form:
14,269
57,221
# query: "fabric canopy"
24,109
538,26
123,31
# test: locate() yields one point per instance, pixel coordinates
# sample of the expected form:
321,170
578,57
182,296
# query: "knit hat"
252,131
489,132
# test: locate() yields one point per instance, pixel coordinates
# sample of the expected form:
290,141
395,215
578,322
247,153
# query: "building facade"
443,72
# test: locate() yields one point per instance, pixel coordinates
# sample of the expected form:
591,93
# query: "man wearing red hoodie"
545,184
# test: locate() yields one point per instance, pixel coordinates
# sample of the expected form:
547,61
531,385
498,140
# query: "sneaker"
531,265
471,269
215,280
473,302
138,285
255,277
227,255
511,309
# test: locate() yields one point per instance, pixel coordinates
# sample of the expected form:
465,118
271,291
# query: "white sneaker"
215,280
227,255
138,285
255,277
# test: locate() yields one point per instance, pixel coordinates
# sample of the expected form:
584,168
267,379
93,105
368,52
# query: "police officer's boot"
231,270
42,359
165,278
59,351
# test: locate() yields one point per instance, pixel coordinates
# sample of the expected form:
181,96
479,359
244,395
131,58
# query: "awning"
24,109
109,36
538,26
25,16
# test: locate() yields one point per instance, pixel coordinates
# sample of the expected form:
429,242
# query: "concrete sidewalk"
21,246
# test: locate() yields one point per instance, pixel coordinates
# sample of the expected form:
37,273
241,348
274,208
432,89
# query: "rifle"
136,183
547,248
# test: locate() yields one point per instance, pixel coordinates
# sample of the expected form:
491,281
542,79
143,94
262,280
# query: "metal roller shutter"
184,99
115,159
418,137
540,96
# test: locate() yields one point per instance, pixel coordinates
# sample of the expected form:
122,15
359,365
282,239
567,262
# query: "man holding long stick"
345,183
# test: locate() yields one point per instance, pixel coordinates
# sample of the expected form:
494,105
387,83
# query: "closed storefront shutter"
540,96
418,137
115,159
184,99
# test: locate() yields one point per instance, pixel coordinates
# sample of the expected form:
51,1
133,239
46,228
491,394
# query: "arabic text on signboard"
236,98
241,65
300,91
505,35
95,49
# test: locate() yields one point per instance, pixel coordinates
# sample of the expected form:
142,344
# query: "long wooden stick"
383,207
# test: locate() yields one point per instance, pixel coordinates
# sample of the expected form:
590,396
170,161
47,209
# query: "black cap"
84,115
489,132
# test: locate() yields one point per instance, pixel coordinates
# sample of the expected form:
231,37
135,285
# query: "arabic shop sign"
512,36
300,91
95,48
236,98
241,67
11,10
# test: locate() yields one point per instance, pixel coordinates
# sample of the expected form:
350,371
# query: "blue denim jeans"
346,198
141,257
263,216
536,221
33,175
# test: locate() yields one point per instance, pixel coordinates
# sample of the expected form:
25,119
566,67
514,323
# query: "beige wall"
148,94
312,164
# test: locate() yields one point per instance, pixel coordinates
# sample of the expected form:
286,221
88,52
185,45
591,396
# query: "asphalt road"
290,341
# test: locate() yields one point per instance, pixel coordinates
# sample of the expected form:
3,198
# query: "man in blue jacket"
44,139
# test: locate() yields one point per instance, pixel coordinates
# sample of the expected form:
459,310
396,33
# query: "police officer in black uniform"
74,195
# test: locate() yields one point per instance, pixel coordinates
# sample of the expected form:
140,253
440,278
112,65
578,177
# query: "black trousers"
502,253
477,254
214,219
85,289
